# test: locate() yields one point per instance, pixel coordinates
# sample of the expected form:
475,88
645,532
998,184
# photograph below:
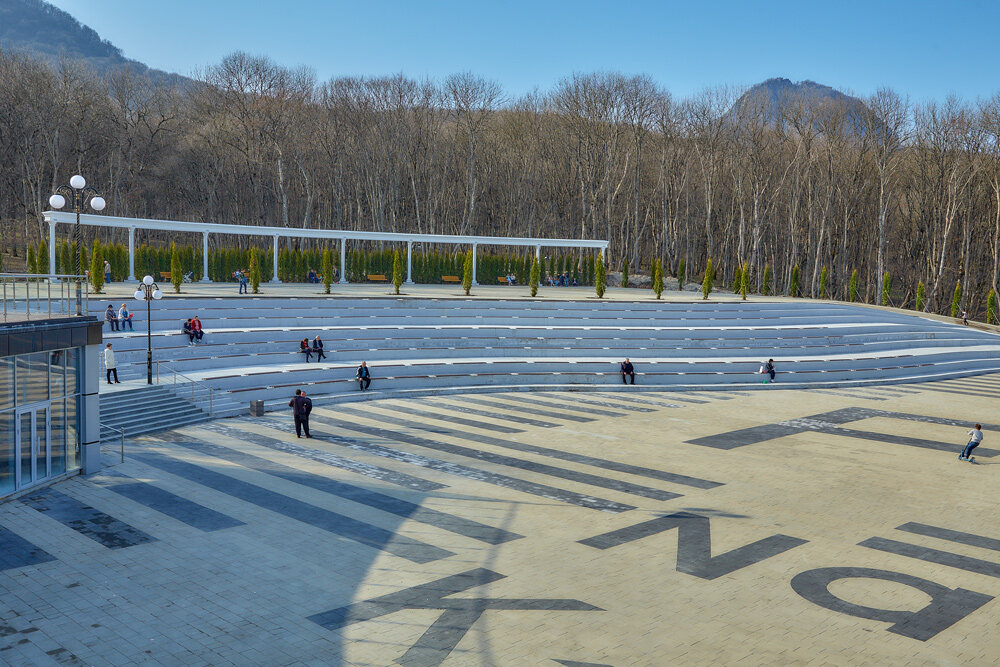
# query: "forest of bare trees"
885,187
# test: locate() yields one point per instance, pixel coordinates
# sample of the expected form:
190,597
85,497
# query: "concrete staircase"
141,408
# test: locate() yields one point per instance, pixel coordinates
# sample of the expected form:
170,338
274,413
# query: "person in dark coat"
305,349
318,349
627,370
364,376
301,407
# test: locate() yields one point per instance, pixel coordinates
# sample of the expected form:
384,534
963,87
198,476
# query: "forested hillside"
881,186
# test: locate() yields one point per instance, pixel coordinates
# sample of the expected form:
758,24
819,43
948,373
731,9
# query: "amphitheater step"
147,409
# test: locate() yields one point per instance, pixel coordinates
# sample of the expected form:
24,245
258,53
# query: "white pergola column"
474,248
409,262
204,259
343,262
274,276
131,254
52,250
538,253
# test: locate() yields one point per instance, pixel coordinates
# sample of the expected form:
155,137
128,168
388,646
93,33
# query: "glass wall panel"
25,444
32,377
57,373
72,362
57,436
41,444
6,382
72,433
7,452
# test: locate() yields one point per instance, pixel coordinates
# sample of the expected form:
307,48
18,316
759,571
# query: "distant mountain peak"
45,31
778,94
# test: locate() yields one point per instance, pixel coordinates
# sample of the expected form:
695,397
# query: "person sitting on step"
305,349
318,349
364,376
627,370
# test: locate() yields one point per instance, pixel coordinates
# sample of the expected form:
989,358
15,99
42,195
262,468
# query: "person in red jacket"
196,329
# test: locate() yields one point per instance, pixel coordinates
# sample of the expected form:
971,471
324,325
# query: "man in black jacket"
628,370
301,407
364,376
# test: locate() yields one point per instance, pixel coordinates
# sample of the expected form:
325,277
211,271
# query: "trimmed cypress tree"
765,282
467,273
327,270
706,282
533,276
920,296
599,277
956,299
886,288
625,273
744,280
681,268
97,267
43,257
852,288
793,286
66,259
397,271
991,307
657,277
32,260
254,270
822,284
176,275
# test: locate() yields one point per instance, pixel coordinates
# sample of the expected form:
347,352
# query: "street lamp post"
148,290
81,194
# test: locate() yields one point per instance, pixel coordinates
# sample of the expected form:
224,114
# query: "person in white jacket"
109,363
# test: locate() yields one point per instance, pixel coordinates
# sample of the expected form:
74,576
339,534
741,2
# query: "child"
977,437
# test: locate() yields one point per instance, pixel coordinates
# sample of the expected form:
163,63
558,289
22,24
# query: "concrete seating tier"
250,348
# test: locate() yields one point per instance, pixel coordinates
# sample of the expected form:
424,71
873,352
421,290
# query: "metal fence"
39,297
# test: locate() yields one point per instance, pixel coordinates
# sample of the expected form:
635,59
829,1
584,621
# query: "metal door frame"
33,443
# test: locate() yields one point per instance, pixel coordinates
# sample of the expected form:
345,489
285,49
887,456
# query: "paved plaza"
545,528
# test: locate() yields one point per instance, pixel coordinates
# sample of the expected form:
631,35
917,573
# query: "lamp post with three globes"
148,290
80,194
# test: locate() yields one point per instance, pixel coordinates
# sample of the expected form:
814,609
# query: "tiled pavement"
826,527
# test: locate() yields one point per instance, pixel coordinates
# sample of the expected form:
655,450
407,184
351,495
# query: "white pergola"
276,233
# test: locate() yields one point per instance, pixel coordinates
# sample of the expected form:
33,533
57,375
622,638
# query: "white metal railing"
198,389
121,432
43,296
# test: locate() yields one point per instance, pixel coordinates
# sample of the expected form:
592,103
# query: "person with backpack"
976,435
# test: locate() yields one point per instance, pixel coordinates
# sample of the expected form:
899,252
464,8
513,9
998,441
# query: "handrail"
190,380
43,303
120,430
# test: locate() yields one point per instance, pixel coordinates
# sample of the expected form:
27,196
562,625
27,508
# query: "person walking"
241,276
109,363
627,369
107,271
125,317
301,407
111,318
965,317
305,349
196,329
364,376
318,349
976,437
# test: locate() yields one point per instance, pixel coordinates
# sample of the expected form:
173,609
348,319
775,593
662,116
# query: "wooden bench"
502,280
451,279
377,278
165,276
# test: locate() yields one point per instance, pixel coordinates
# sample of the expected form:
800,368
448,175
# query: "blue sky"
923,49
